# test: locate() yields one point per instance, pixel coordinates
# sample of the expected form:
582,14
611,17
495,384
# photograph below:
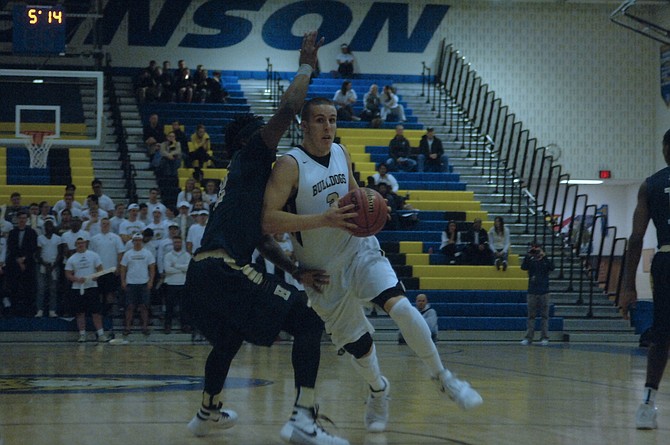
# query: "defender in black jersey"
228,299
653,203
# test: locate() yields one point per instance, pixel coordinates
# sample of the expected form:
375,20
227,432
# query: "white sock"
368,368
101,332
649,396
417,334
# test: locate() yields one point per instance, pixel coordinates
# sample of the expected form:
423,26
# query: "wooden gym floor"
145,393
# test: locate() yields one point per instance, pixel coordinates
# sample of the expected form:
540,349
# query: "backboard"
68,104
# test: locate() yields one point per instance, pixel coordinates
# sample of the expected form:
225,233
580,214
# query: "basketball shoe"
645,419
304,428
208,417
459,391
377,409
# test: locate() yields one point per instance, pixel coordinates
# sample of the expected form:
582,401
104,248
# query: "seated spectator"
395,204
345,62
429,314
499,242
153,134
200,89
399,152
344,99
184,86
200,149
147,87
431,156
211,193
451,246
384,176
216,93
166,80
170,157
392,110
372,104
186,194
477,251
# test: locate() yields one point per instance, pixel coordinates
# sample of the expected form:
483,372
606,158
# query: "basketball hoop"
38,144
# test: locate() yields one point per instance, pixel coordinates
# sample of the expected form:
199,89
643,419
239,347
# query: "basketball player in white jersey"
311,179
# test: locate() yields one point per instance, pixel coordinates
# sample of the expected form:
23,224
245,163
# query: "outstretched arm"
294,96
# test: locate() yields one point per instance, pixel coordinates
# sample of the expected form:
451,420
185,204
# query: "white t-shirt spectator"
164,247
115,223
101,214
195,233
70,238
49,248
160,230
108,246
137,263
60,205
82,265
130,228
388,179
104,202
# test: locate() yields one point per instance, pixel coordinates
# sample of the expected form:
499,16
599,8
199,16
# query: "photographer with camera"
538,266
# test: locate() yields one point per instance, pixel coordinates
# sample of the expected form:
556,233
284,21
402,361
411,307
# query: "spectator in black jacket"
431,156
538,266
399,152
476,251
20,267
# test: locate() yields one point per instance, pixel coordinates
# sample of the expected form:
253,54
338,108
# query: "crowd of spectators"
163,84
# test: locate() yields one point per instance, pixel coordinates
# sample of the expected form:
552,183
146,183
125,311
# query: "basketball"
371,208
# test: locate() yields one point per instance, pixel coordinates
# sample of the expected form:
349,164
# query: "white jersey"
320,187
82,265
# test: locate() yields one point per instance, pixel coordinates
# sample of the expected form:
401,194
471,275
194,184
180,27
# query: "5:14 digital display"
38,29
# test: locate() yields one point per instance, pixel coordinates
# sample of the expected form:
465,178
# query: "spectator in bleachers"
384,176
166,81
196,231
165,245
431,157
372,104
170,157
60,204
45,210
92,203
200,90
451,245
49,259
187,193
92,222
153,202
132,224
5,302
184,86
395,204
119,216
184,218
176,263
196,198
105,202
158,224
392,109
200,148
64,223
147,87
20,266
499,242
137,272
70,204
211,193
345,62
15,207
69,238
216,93
538,266
110,248
477,251
153,134
344,100
399,152
143,214
181,137
34,221
429,314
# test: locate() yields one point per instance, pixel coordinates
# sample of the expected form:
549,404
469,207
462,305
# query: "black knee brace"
360,347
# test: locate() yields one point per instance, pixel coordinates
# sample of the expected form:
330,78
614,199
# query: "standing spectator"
60,204
399,152
499,242
211,193
92,224
176,264
45,211
477,251
137,271
152,134
85,296
344,100
216,93
165,246
196,231
184,218
538,266
119,216
345,62
132,225
49,258
170,157
110,248
392,109
431,156
384,176
70,204
153,202
200,149
92,203
69,238
5,302
451,246
371,104
34,220
105,202
184,86
428,313
20,261
143,213
13,210
65,222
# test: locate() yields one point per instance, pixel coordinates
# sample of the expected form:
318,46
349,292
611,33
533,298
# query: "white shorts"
352,285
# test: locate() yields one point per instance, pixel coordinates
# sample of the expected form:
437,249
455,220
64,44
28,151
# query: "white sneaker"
377,409
82,338
645,419
459,391
39,314
525,342
304,428
53,314
206,418
545,342
103,338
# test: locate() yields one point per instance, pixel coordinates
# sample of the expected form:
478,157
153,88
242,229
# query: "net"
38,144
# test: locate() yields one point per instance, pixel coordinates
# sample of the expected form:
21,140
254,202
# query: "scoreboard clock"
38,29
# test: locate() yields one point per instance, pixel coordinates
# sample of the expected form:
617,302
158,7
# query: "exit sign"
605,174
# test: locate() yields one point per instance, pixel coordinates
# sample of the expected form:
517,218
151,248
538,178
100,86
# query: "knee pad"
360,347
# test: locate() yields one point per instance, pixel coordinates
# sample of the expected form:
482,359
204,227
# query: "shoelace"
318,418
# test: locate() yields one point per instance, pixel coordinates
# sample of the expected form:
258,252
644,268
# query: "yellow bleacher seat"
423,259
499,282
440,271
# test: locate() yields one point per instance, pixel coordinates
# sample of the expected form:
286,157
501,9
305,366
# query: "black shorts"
88,303
109,283
220,300
660,267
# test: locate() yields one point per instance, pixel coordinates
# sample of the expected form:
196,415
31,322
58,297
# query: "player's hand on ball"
337,217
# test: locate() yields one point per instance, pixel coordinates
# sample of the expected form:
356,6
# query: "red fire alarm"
605,174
